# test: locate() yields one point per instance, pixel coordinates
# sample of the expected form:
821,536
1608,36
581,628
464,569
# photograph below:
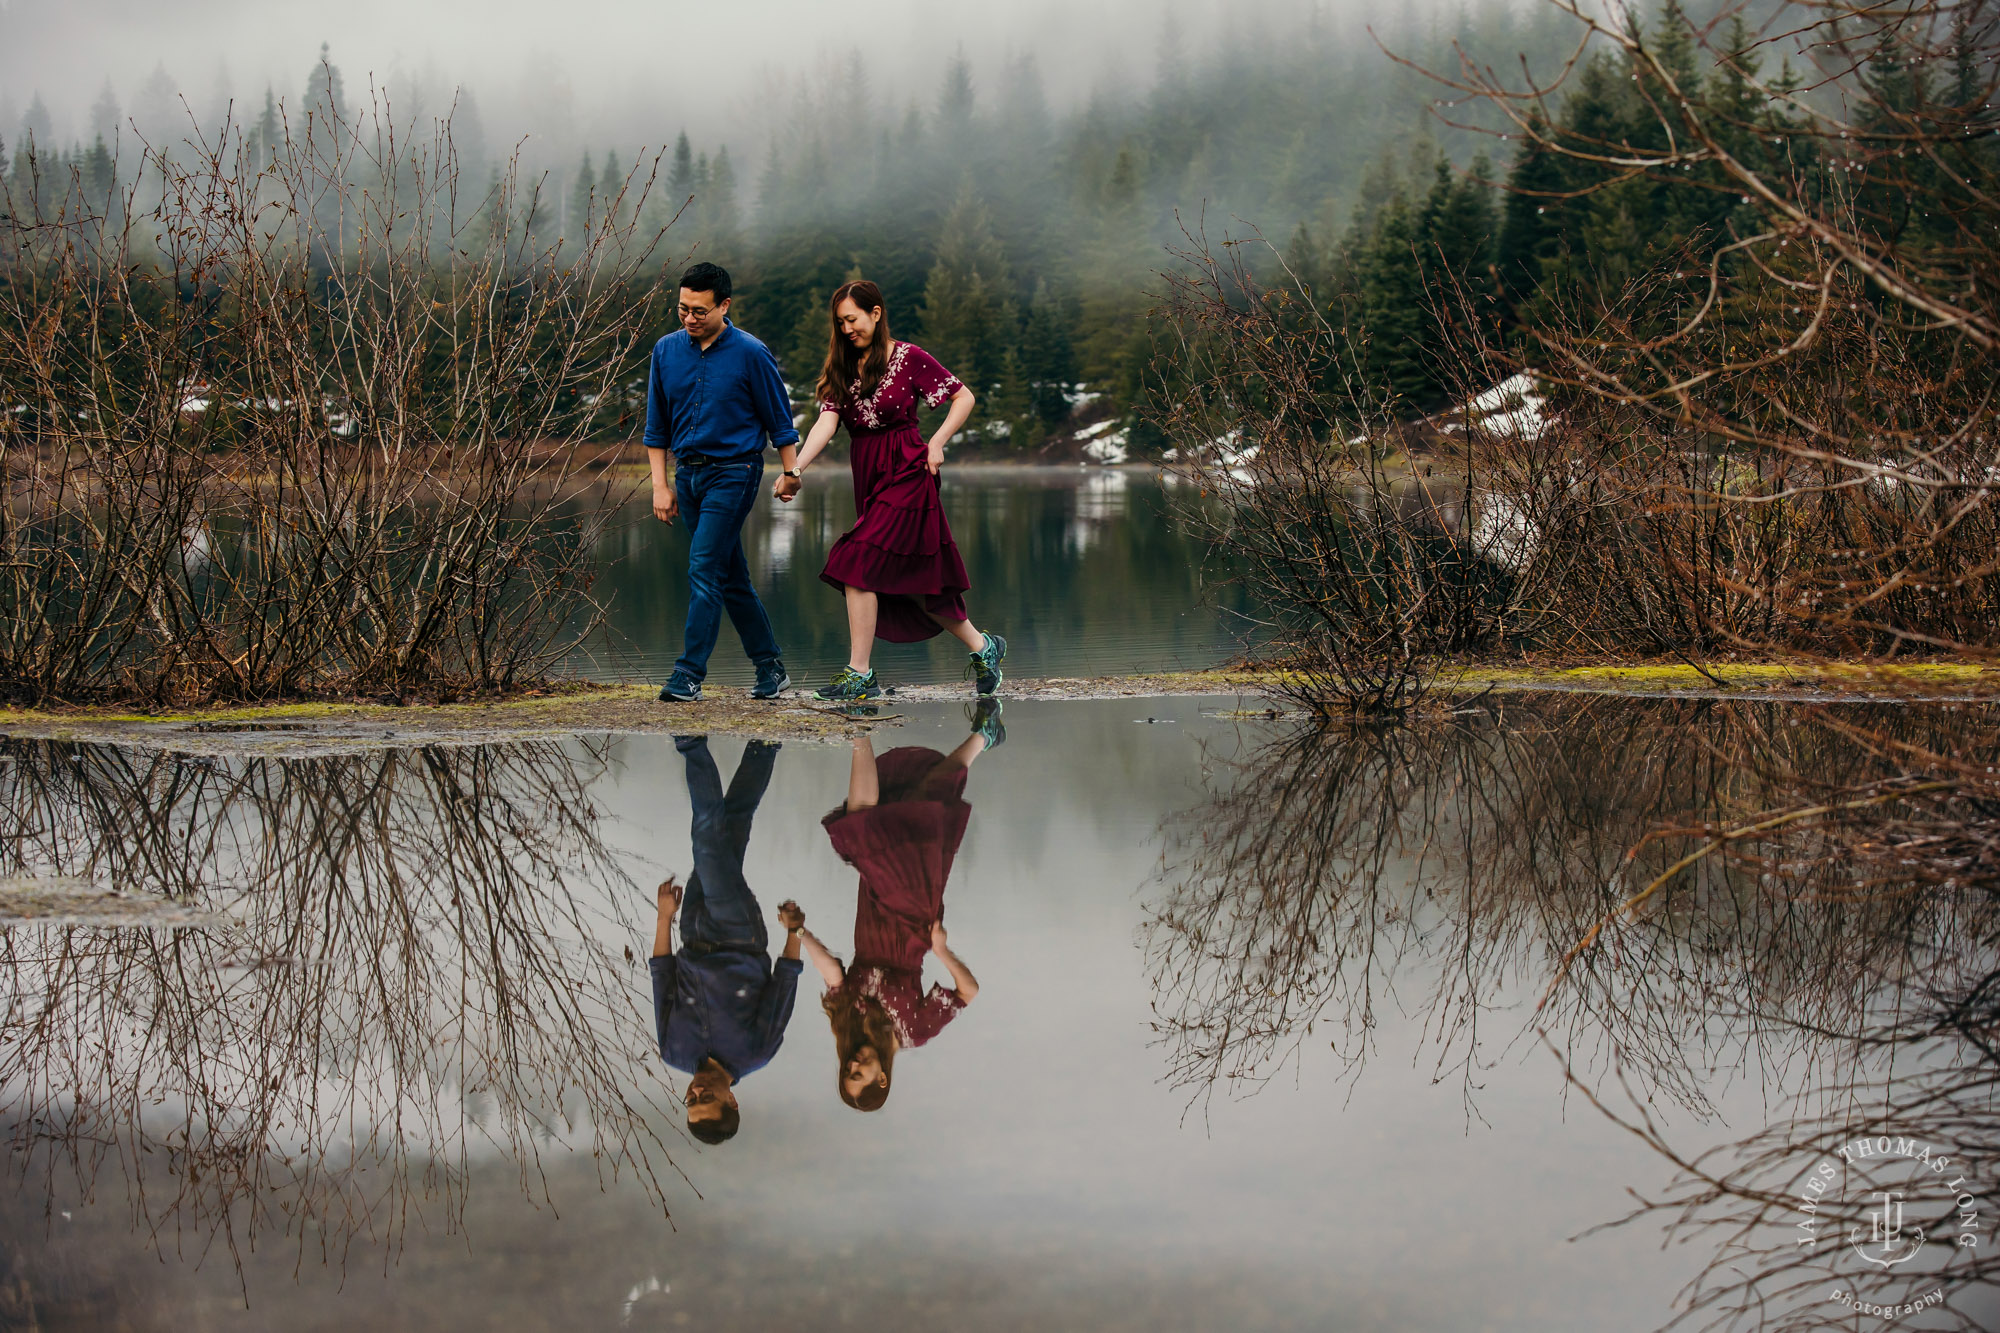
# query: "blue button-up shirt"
720,403
733,1006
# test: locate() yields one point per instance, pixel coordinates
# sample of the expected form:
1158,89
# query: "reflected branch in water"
422,964
1786,1212
1446,869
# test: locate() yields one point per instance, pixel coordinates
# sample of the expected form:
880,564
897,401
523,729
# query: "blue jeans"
718,911
715,499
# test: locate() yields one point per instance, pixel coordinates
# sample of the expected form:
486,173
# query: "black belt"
708,460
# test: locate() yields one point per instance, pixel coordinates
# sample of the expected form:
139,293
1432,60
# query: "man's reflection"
900,826
719,1002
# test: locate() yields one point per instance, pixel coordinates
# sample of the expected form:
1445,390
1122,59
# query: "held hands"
665,503
791,916
787,487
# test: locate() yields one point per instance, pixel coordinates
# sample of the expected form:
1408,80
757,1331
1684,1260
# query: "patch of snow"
999,430
1525,422
1504,533
1497,397
1079,395
1510,409
1089,432
1109,450
1171,456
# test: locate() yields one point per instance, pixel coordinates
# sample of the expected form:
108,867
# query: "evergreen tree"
968,320
610,181
583,210
267,139
325,107
37,130
1390,286
725,214
104,115
99,176
1458,233
158,107
680,176
955,100
1672,44
1047,361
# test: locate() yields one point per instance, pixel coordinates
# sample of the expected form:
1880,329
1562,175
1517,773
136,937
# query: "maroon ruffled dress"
903,848
900,547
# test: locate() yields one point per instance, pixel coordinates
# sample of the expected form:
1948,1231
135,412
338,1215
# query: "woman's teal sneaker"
986,664
850,686
985,719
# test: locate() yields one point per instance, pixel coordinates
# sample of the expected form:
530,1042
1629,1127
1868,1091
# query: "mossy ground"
577,709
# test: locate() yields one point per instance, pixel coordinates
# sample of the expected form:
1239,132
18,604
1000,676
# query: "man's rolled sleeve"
666,976
774,1006
659,411
774,405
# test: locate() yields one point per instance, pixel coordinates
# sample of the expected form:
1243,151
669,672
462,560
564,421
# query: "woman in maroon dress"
900,827
897,565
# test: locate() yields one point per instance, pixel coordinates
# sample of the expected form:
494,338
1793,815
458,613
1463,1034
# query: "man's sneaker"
985,718
851,686
681,688
985,666
771,681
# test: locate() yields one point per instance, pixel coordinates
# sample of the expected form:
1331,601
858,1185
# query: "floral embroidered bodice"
913,374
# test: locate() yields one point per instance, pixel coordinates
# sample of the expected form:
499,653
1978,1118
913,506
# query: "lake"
1085,570
1256,1041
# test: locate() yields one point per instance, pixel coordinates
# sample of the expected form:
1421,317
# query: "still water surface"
1086,571
1255,1044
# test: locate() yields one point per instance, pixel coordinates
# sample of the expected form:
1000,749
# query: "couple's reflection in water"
721,1002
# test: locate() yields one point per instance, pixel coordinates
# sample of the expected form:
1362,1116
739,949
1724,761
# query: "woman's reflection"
900,826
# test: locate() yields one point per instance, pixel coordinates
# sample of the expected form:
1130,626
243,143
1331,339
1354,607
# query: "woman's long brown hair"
859,1021
851,373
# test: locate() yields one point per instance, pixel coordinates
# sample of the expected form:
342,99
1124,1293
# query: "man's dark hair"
708,278
723,1127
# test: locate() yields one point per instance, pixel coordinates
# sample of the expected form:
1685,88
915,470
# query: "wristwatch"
795,473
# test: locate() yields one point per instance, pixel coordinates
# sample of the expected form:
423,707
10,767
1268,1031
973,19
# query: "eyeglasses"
696,312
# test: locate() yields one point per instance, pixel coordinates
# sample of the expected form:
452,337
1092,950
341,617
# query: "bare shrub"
1804,385
1675,896
1367,592
301,417
417,962
1450,870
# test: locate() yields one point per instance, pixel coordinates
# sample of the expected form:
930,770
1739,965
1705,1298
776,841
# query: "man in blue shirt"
720,1005
713,395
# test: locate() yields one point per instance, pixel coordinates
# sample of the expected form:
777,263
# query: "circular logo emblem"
1891,1213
